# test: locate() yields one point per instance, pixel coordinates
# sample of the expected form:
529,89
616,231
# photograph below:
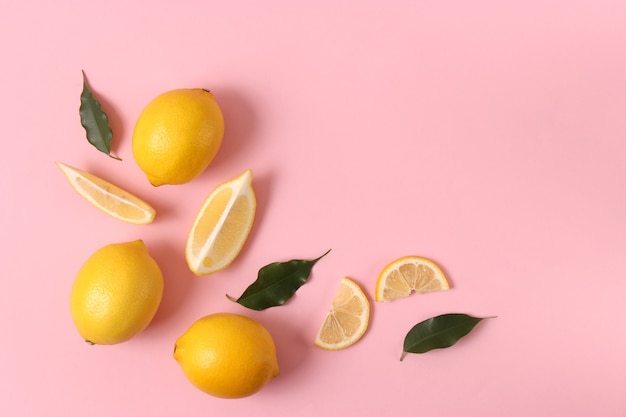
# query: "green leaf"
276,283
438,332
95,121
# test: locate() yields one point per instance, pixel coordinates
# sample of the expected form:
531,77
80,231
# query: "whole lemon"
116,293
227,355
177,135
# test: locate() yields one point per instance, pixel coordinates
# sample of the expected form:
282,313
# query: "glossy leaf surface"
95,121
438,332
276,283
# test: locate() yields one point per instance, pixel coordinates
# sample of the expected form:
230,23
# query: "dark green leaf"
438,332
276,283
95,121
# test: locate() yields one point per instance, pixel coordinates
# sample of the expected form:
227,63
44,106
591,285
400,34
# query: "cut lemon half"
222,226
109,198
347,321
409,274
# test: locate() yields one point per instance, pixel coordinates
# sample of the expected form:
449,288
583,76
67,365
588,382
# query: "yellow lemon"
227,355
347,320
177,135
116,293
109,198
222,226
409,274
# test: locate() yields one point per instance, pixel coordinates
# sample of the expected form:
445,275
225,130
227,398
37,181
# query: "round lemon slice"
109,198
221,226
409,274
347,320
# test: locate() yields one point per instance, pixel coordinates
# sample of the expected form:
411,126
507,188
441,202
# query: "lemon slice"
109,198
347,321
221,226
409,274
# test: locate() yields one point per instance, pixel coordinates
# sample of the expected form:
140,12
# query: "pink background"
485,135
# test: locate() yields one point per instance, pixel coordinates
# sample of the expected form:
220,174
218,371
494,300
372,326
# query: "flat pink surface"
488,136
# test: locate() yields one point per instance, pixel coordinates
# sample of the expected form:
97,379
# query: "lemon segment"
227,355
107,197
116,293
347,320
409,274
222,226
177,135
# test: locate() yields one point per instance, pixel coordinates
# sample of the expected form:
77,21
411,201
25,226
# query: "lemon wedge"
109,198
347,320
409,274
222,226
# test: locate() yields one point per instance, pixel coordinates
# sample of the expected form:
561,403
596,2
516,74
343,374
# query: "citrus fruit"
227,355
222,225
116,293
109,198
347,320
409,274
177,135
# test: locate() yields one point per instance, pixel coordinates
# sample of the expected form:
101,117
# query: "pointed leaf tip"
320,257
